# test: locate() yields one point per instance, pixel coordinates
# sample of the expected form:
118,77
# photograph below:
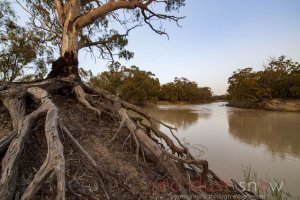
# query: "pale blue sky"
216,38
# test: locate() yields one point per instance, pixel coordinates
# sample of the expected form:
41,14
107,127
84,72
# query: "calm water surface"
235,138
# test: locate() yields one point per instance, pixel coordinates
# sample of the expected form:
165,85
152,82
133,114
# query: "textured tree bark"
55,157
67,64
5,141
10,162
55,160
15,102
81,96
72,21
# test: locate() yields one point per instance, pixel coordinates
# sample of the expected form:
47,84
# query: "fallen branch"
118,131
90,159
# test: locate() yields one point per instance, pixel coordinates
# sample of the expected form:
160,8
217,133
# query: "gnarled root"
176,160
5,141
55,158
163,157
81,96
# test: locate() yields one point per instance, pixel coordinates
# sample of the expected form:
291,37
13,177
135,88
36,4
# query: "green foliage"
131,84
279,79
182,89
108,33
168,92
24,49
220,97
139,86
85,75
21,49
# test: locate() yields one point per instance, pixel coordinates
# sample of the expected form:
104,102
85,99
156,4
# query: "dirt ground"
124,177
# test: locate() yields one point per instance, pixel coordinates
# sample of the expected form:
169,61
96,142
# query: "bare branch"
102,11
88,43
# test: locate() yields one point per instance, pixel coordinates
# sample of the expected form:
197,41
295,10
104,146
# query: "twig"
118,131
93,162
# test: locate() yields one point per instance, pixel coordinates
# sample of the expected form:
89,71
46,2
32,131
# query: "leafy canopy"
182,89
104,36
130,83
21,48
102,32
279,79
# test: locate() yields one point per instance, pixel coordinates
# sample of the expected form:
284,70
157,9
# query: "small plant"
267,190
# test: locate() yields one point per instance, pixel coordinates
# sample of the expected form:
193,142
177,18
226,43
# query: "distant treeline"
139,87
279,79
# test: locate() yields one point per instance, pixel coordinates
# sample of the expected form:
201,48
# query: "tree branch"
102,11
89,43
60,11
86,42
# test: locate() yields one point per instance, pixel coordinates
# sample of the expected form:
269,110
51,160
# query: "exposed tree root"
141,137
10,162
81,96
5,141
176,160
14,101
55,160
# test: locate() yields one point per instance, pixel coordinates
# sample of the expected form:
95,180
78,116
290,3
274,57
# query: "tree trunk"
67,64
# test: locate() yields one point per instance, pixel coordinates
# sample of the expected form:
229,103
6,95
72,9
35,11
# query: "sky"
216,38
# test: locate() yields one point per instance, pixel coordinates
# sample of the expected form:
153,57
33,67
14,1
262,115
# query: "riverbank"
288,105
161,103
123,176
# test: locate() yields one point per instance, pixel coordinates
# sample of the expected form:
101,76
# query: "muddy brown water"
232,139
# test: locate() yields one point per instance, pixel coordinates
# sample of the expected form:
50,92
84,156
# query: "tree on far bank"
279,79
182,89
129,83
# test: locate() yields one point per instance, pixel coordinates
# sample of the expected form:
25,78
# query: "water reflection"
181,118
279,132
270,141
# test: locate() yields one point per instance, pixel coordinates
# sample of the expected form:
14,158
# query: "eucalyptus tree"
72,25
182,89
94,26
280,78
23,54
130,83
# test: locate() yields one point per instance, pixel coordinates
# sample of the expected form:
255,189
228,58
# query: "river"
233,139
